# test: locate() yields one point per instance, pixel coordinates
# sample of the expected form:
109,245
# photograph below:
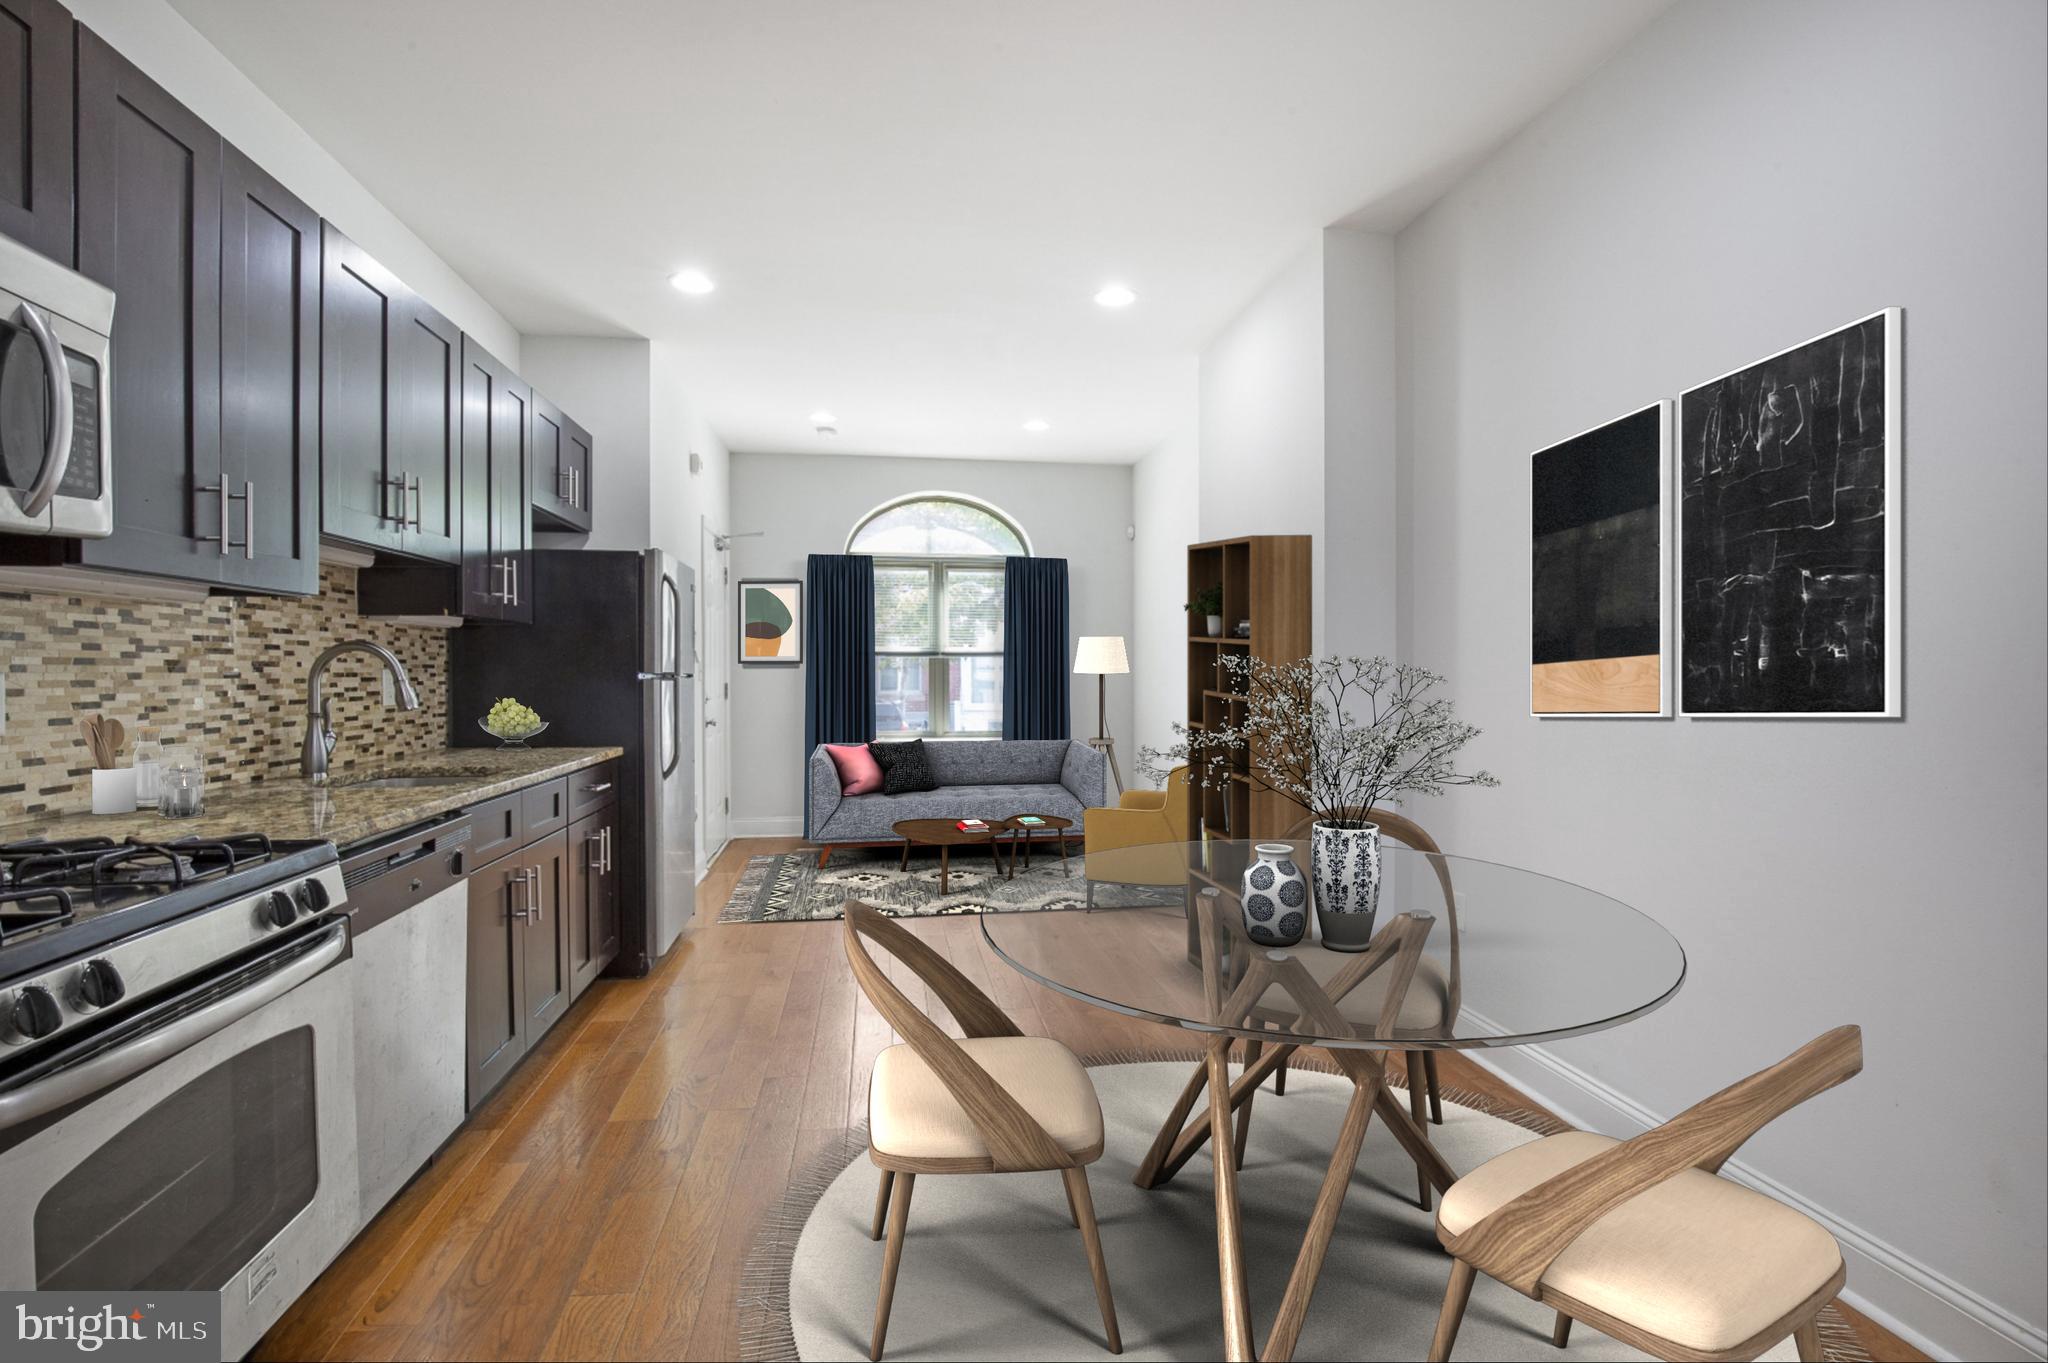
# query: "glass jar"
181,784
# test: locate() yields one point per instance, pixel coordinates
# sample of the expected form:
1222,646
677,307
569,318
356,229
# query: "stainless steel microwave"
56,466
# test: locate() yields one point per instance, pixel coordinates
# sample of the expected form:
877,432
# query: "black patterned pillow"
905,767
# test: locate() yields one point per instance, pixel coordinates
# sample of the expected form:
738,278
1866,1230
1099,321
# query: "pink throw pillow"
859,773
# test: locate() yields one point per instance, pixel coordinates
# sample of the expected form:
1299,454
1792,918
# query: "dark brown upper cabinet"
149,209
36,69
270,379
362,305
497,434
561,470
428,355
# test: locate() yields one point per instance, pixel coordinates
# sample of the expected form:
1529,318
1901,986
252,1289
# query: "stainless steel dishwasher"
409,901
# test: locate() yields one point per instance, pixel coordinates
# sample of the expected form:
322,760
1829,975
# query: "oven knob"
35,1014
312,896
278,910
99,984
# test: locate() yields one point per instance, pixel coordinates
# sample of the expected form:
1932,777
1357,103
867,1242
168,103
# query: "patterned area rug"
788,887
992,1269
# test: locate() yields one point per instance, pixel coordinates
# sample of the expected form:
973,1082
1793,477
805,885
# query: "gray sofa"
983,779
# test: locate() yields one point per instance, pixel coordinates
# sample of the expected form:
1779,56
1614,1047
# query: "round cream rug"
993,1269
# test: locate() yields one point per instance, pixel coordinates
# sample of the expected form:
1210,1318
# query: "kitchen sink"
406,782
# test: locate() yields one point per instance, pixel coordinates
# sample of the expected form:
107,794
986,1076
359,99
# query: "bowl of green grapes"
512,724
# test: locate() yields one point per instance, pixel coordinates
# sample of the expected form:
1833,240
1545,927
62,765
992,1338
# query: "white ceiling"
907,204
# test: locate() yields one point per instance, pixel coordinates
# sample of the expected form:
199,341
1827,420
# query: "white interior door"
714,686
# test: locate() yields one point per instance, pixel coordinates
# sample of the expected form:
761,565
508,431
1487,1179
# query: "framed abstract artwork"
771,621
1789,531
1600,571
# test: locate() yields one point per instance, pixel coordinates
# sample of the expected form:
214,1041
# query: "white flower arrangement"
1337,736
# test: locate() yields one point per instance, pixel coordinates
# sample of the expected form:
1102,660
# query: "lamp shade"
1096,653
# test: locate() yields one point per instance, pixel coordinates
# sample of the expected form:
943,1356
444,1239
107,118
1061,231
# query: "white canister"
113,790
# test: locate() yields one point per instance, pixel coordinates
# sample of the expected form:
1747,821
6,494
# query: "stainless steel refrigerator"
608,660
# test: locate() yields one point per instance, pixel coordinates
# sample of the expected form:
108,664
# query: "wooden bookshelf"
1266,580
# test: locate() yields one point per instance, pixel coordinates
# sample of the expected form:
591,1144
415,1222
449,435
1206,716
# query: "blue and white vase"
1275,897
1345,860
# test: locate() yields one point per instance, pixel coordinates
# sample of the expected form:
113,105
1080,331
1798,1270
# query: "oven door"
207,1143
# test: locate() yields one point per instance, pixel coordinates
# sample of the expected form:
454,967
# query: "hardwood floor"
602,1203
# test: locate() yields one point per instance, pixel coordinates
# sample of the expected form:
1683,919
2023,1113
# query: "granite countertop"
340,812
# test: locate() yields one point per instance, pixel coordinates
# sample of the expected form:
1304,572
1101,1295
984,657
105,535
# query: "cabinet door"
497,979
149,229
550,475
428,354
586,866
512,489
35,126
545,933
269,379
486,568
604,914
360,303
576,463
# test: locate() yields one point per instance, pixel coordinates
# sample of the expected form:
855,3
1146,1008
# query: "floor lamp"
1102,655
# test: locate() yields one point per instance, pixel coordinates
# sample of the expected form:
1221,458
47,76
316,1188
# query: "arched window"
938,613
937,524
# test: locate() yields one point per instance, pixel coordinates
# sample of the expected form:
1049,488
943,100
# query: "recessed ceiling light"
692,281
1037,425
822,417
1115,296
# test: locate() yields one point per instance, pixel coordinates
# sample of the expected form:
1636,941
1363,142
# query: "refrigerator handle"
655,676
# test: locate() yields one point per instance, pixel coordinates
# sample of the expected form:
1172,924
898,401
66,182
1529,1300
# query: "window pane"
974,610
974,695
904,615
901,705
938,527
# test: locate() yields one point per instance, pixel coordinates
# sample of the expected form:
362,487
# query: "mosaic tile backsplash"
226,675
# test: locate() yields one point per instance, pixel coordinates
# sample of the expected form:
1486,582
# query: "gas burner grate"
19,911
101,862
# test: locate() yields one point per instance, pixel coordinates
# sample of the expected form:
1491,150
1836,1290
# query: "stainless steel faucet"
320,735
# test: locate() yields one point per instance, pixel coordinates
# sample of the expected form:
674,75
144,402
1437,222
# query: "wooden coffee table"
1021,834
942,834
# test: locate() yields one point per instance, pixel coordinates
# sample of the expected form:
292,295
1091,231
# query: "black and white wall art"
1599,637
1789,531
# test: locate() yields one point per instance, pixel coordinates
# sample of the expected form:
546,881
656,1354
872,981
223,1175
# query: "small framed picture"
771,622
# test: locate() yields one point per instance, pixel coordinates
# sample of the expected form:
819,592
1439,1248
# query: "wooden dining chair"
1643,1239
992,1101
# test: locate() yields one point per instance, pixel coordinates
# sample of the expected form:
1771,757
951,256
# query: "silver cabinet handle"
384,486
502,594
226,537
522,885
539,900
418,501
605,834
576,487
248,520
57,451
600,788
593,859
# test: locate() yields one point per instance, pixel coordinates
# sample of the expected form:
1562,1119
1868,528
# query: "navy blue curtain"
1037,694
839,655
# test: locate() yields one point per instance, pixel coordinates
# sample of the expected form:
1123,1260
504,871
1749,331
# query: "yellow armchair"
1143,819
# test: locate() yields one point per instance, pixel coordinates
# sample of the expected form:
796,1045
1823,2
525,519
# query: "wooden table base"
1178,1139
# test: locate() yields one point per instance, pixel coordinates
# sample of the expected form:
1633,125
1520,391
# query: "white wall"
1166,508
808,504
1742,177
172,53
1261,416
682,507
604,383
1360,591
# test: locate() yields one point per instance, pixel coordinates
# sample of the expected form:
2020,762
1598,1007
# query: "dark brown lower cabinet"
593,899
518,957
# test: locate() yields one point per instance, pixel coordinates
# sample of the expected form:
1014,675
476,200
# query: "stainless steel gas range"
177,1104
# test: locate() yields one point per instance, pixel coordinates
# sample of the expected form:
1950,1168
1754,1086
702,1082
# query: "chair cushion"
1699,1260
859,773
912,1114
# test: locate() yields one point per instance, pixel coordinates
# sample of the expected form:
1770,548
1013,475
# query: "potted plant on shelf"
1339,737
1208,603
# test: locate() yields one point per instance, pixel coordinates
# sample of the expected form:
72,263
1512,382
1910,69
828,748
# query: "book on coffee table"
1029,820
971,826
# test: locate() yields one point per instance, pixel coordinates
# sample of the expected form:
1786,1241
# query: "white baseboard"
1927,1309
788,826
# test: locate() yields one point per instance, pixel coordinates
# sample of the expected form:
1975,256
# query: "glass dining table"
1463,955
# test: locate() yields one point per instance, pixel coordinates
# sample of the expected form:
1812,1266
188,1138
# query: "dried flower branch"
1334,735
